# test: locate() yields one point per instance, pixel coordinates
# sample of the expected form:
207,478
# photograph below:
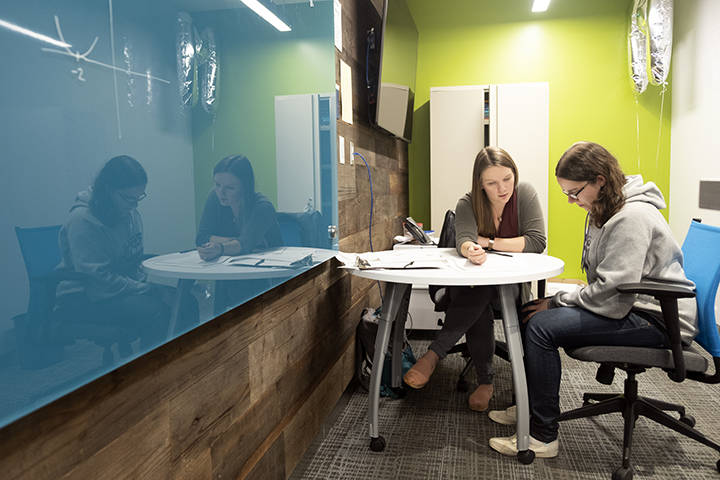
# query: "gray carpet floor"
432,434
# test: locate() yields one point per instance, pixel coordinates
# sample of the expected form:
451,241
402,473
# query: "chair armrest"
667,295
656,290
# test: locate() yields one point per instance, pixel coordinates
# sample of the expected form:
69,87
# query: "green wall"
584,60
255,66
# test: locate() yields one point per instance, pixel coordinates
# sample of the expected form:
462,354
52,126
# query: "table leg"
515,352
395,302
183,288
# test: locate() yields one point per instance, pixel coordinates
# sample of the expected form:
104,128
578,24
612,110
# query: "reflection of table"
449,268
187,267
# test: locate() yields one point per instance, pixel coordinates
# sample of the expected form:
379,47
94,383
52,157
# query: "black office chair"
441,299
41,339
702,266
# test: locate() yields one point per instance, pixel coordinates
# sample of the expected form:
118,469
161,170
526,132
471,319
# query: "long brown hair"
488,157
583,162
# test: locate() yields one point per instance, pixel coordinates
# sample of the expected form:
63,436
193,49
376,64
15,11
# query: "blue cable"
371,197
372,202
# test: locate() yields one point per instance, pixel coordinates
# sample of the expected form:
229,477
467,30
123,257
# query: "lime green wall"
584,60
253,70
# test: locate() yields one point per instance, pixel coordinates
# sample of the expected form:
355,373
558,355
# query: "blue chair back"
40,249
701,252
290,230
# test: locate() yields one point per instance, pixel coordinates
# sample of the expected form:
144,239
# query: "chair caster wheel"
377,444
622,473
526,457
688,420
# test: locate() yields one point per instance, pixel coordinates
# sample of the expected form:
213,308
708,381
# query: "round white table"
187,267
443,266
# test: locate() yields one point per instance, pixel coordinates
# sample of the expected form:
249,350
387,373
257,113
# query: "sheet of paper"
341,148
346,92
337,22
399,259
192,260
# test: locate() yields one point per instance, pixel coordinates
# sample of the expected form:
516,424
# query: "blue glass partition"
174,86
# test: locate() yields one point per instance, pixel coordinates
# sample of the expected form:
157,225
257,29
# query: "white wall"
695,77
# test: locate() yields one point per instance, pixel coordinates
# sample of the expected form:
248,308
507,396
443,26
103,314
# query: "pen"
188,251
498,253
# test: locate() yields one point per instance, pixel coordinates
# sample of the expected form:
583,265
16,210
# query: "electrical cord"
372,203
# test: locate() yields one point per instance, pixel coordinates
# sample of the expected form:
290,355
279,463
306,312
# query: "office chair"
702,266
441,299
290,230
41,340
304,229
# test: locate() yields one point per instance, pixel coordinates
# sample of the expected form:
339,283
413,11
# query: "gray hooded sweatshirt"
635,245
109,256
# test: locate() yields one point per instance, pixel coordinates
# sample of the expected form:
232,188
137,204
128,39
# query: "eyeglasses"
130,199
574,196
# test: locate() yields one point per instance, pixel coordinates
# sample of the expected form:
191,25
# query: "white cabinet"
304,148
465,119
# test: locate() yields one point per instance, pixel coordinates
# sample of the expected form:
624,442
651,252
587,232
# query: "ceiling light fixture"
32,34
540,5
267,14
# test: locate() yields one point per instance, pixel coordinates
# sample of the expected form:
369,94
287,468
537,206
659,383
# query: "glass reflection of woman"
236,220
103,240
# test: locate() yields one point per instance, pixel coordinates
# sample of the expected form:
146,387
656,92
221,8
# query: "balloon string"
637,128
662,104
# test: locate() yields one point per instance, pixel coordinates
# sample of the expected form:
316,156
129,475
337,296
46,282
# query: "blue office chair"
41,339
702,266
290,229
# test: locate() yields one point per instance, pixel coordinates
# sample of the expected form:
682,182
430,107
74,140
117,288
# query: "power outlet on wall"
352,153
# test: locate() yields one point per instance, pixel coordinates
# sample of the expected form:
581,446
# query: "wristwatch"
491,243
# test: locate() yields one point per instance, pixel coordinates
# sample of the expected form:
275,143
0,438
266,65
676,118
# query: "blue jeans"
569,327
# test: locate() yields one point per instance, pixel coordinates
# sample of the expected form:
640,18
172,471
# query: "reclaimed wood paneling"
241,396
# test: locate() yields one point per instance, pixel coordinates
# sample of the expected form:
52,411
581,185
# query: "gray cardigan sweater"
531,224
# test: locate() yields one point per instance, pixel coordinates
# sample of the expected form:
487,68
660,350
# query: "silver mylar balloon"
660,27
209,73
185,44
637,46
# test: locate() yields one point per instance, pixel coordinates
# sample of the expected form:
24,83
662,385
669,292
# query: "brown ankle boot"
420,373
480,399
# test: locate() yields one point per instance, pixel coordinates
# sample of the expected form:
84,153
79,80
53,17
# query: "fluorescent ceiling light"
540,5
265,13
32,34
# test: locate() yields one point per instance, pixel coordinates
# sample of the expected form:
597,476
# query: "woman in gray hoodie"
103,240
627,240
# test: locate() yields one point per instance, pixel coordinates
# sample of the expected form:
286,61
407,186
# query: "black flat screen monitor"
395,94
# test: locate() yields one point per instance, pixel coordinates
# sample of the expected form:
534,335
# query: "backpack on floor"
365,353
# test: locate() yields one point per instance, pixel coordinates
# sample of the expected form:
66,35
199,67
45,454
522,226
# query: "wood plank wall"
243,395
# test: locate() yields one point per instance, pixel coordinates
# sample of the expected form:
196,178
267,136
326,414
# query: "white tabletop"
188,265
453,268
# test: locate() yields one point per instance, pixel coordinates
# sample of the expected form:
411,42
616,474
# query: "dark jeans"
569,327
146,316
471,314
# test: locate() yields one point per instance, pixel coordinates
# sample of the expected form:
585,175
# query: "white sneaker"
508,446
504,417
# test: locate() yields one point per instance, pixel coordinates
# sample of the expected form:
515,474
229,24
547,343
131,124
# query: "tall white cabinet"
465,119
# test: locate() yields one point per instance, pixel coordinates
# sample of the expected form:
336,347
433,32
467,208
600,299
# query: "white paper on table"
281,257
398,259
498,263
191,260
